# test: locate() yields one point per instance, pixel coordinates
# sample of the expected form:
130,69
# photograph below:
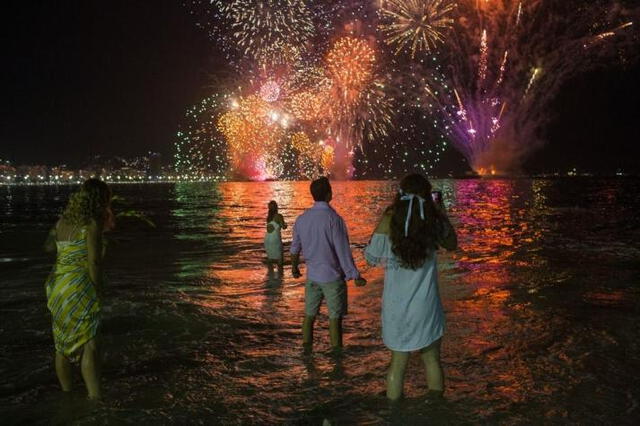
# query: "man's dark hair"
320,188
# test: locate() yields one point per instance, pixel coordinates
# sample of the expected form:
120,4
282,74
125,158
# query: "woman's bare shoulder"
384,226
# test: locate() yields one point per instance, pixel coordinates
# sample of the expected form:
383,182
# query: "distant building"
8,173
35,173
154,167
61,174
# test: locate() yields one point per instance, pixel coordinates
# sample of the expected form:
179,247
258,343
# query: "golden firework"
327,158
418,24
350,62
249,128
305,106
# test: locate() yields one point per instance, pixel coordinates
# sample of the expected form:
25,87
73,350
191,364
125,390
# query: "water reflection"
197,329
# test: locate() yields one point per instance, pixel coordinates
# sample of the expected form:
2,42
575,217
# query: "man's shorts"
335,292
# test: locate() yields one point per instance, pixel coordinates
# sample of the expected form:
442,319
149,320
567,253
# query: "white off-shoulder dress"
412,315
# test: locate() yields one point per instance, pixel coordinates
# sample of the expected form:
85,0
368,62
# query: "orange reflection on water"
486,229
476,280
242,219
488,233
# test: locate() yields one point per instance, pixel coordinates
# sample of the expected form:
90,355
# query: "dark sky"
90,77
112,77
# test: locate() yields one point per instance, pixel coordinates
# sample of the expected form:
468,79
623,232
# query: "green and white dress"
72,298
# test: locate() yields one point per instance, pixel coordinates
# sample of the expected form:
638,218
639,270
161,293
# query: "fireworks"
270,167
309,154
200,148
314,84
327,159
306,106
350,63
252,130
269,31
417,24
270,91
317,92
504,68
350,66
374,116
301,142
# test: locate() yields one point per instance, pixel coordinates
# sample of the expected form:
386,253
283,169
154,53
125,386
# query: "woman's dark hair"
420,242
273,210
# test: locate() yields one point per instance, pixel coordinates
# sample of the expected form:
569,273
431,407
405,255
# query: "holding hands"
295,272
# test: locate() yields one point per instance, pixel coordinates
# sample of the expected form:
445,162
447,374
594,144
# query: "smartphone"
436,196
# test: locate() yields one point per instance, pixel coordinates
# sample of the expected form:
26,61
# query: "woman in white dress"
273,237
405,244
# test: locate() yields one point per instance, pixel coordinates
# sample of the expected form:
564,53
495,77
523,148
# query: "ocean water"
542,302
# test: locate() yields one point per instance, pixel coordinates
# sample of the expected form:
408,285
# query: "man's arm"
343,251
296,246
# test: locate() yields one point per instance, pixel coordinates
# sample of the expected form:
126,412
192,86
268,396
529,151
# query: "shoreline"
173,181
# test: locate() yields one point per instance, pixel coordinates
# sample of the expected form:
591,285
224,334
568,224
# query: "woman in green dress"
75,284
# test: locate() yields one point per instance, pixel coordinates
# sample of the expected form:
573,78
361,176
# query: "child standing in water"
273,237
405,244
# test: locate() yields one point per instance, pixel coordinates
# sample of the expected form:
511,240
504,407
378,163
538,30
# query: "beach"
541,301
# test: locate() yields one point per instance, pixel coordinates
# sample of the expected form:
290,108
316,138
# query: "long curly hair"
421,240
91,202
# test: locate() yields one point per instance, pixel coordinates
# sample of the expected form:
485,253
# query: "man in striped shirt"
320,234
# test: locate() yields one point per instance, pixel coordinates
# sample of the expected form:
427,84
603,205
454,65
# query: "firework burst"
268,31
419,25
350,63
504,69
306,106
327,159
201,148
252,129
309,154
270,91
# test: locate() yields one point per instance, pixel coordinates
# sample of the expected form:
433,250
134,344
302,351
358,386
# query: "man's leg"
335,332
307,331
312,300
336,295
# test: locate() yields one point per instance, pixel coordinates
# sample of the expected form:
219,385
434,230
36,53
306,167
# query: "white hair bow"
410,198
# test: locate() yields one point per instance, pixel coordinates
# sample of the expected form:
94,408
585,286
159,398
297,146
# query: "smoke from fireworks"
507,60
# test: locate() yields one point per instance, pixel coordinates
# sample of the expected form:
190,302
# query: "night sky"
90,77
